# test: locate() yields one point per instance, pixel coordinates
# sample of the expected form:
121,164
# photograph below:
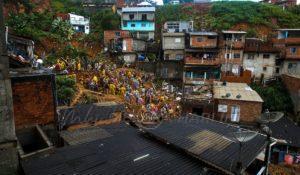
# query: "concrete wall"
249,111
170,70
173,42
256,64
34,101
138,26
174,55
291,67
8,154
138,16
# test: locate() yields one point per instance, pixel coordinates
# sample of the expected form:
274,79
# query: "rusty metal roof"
210,141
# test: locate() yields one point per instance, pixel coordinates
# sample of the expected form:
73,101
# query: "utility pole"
8,151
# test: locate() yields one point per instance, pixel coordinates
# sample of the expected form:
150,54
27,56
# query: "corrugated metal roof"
204,33
138,9
210,141
235,89
287,130
88,113
126,152
234,31
84,135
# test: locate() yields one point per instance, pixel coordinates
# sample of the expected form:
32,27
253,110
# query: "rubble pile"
145,102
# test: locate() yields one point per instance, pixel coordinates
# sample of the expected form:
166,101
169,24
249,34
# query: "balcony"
202,61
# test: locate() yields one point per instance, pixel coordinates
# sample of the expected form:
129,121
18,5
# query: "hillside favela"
150,87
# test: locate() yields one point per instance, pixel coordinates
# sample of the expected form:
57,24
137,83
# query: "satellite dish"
269,117
244,136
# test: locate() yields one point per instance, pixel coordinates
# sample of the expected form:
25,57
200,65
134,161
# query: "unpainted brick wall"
33,103
249,111
293,86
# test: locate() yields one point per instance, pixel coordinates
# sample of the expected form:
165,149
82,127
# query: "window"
237,55
132,25
264,68
125,23
277,70
117,33
177,40
266,55
227,56
131,16
200,39
250,56
211,37
235,113
293,50
143,24
179,57
144,17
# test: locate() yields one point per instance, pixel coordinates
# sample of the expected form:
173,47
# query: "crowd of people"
143,101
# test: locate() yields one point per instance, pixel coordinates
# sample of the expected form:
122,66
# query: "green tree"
63,29
276,97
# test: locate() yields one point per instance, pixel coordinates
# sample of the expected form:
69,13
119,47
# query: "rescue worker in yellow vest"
112,89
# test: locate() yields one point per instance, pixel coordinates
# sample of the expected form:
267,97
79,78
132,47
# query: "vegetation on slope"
226,15
276,97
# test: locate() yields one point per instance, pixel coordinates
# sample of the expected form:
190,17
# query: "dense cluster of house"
200,62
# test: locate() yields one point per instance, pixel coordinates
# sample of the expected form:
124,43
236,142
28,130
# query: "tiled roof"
232,91
210,141
126,152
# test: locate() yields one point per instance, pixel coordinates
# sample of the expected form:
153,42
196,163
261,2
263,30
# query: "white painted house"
260,58
79,23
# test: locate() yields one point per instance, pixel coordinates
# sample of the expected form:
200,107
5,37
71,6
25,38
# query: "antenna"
268,117
242,136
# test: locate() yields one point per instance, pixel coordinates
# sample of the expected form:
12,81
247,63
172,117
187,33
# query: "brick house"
236,102
34,98
201,68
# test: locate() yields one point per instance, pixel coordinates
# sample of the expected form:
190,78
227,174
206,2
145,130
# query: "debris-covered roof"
126,152
235,91
210,141
286,129
88,113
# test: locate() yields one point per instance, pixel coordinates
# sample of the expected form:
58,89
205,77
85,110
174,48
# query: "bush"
66,88
276,97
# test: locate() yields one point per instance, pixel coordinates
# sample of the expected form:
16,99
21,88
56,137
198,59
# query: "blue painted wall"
148,26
